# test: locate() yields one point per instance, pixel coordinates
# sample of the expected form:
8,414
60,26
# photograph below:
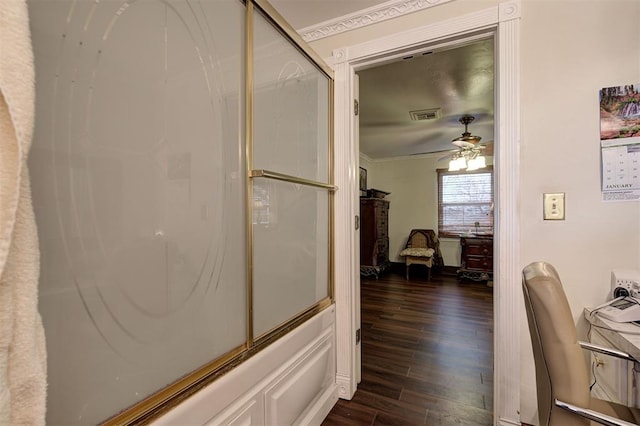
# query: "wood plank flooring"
427,354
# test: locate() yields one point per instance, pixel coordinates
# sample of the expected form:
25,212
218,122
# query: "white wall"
367,164
413,184
569,50
413,202
563,66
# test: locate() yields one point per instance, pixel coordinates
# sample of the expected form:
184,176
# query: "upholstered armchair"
562,375
422,248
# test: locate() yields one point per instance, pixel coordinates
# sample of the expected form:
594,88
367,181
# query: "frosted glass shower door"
291,216
139,183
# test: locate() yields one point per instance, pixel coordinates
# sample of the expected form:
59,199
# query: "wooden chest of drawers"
374,236
477,258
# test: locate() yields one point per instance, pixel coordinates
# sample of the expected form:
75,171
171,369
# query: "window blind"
465,201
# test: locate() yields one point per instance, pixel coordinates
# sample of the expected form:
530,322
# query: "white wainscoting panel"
248,411
296,389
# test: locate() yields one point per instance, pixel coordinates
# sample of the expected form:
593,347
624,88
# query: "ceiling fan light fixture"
457,164
468,156
476,163
467,136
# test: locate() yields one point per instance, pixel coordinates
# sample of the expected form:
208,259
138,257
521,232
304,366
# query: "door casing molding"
503,23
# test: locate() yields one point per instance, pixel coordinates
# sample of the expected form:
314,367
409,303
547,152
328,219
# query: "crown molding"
372,15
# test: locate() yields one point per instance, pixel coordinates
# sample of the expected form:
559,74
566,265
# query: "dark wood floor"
427,354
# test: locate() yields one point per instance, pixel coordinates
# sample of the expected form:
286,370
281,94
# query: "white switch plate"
554,206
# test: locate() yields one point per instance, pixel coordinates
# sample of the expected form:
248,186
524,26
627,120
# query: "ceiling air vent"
425,114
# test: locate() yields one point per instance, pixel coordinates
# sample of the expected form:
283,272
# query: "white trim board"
503,23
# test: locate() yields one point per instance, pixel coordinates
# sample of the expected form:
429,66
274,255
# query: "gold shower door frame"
163,400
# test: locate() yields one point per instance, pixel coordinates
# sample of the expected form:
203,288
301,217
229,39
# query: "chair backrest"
419,240
426,238
561,370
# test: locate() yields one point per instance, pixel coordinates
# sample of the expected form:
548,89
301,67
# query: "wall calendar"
620,142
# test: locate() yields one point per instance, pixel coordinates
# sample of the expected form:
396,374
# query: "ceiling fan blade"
489,148
450,151
450,154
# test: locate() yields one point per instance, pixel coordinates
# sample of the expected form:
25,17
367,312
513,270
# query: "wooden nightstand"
477,258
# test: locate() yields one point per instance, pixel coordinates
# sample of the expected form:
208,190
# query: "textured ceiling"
457,81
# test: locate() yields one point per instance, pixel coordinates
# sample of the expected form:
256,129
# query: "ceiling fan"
469,153
467,140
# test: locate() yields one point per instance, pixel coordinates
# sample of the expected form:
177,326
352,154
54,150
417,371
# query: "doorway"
410,111
504,23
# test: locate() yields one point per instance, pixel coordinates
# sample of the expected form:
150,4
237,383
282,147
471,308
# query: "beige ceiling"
455,81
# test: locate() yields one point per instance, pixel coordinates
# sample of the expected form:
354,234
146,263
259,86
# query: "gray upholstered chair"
562,375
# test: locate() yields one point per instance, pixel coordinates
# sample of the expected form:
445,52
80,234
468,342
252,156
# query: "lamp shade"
477,163
457,164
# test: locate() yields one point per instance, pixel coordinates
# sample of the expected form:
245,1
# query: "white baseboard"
507,422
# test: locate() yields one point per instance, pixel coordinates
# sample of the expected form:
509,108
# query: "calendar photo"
620,114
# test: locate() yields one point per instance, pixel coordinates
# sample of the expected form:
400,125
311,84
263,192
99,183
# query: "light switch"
554,206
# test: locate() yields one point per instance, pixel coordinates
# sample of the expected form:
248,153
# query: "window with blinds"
465,202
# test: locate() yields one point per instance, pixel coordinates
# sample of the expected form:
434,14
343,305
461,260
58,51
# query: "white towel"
22,342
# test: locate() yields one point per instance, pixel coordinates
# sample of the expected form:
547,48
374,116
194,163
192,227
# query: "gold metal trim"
268,337
283,26
169,397
261,173
248,122
332,195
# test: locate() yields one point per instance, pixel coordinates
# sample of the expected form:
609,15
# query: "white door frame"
504,21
